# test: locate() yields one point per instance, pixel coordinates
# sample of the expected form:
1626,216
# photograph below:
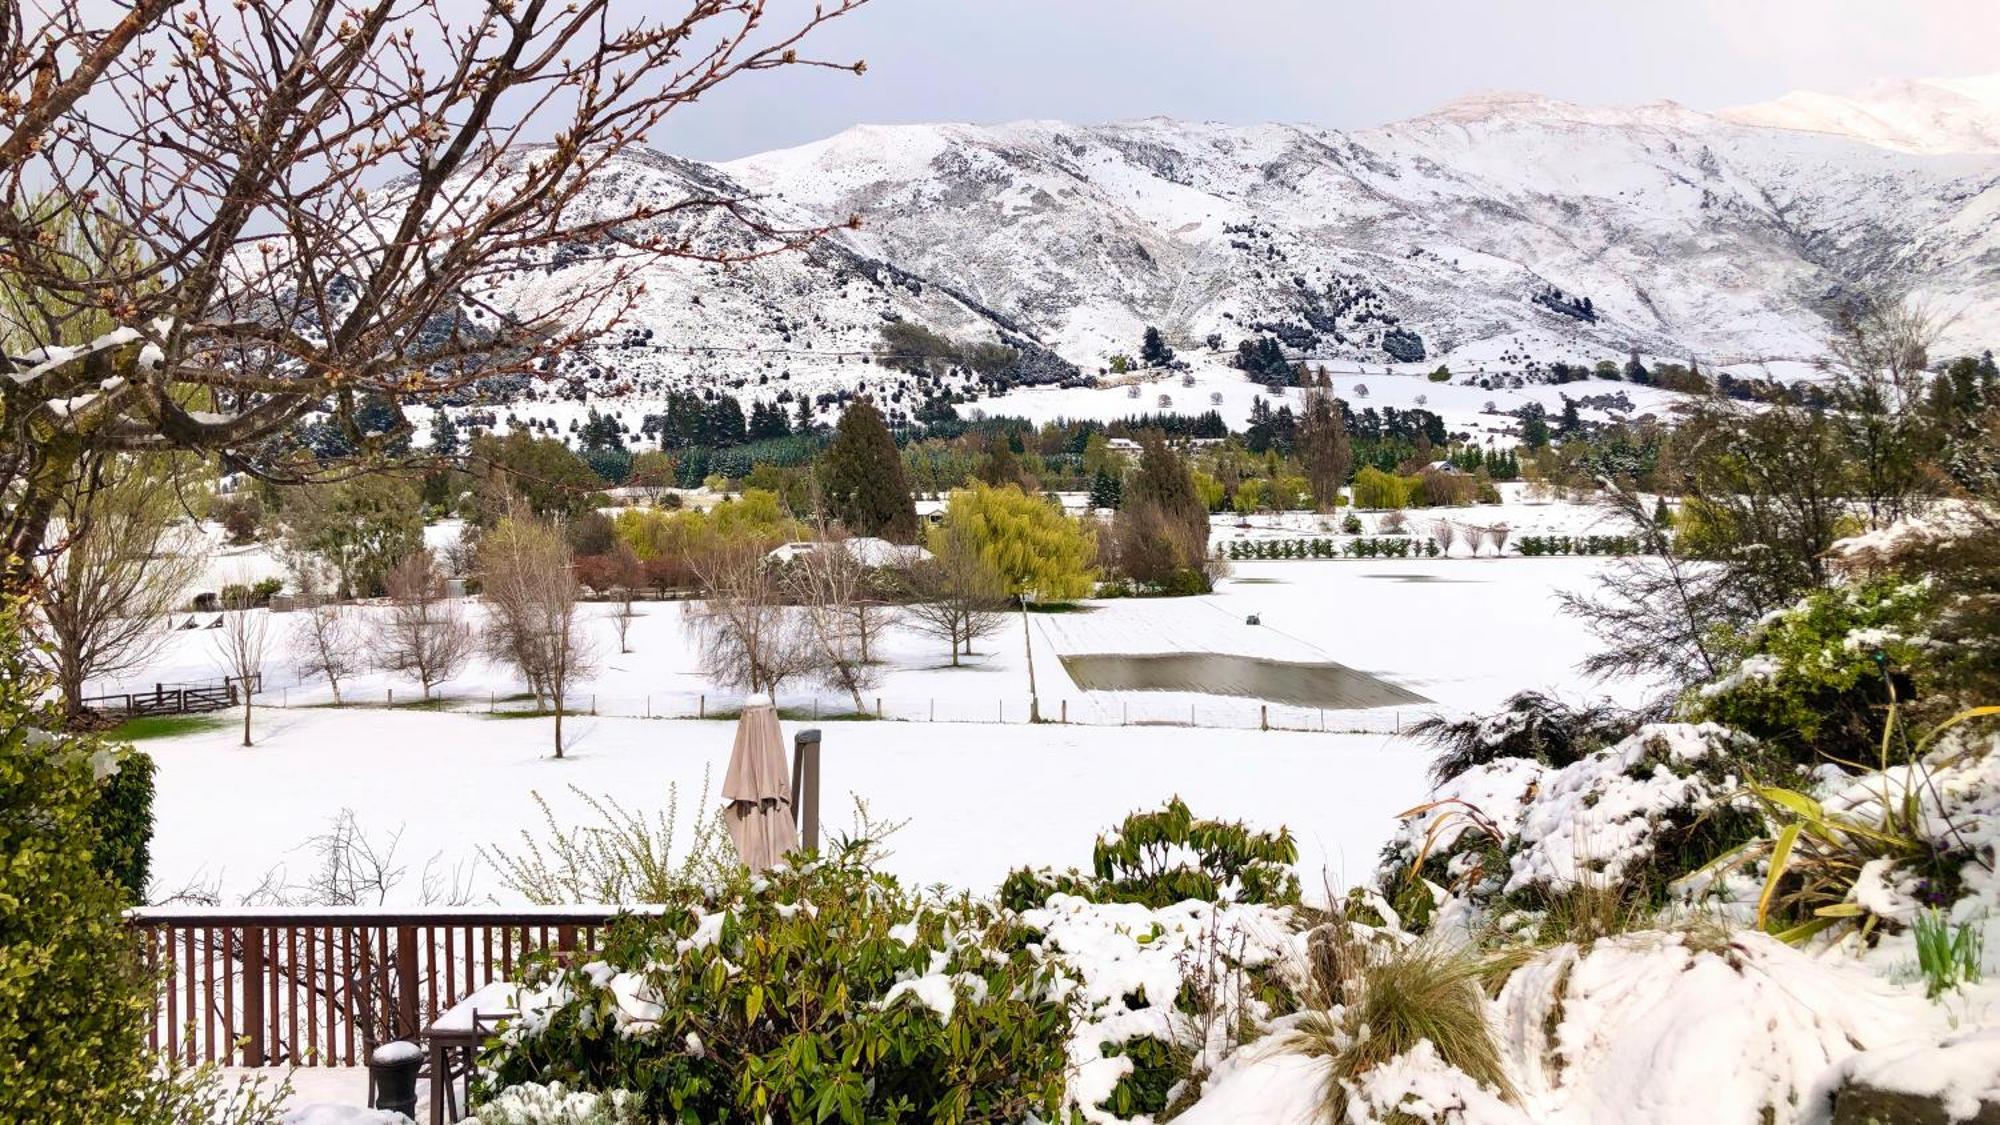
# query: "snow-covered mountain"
1504,226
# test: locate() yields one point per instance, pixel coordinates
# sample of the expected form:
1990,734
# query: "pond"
1332,686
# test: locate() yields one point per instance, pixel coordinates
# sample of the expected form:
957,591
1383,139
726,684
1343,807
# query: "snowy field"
983,790
979,799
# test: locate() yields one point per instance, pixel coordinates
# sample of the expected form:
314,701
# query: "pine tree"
1105,490
1153,350
444,435
861,476
804,425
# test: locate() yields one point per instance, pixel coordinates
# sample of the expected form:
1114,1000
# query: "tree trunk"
246,713
559,710
27,525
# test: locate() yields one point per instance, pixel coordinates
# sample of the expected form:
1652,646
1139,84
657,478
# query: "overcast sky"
1342,63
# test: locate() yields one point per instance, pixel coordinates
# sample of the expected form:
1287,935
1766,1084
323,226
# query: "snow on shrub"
1159,995
533,1103
1655,805
1814,677
826,993
1166,855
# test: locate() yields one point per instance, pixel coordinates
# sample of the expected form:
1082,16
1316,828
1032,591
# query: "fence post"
593,703
805,786
1263,716
1125,718
406,981
934,709
253,995
701,707
391,697
878,706
1065,712
649,706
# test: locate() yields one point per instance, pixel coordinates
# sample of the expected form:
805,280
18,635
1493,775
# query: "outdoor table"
454,1039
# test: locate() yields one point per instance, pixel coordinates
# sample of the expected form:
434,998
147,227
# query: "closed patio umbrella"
758,788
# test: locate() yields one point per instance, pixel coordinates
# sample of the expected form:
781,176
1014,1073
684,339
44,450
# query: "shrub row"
1381,547
1533,545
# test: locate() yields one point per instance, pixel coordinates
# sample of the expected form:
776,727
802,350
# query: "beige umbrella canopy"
758,788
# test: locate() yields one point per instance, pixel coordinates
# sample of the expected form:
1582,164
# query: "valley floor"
978,799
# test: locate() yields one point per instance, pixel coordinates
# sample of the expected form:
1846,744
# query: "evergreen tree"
1570,423
767,420
723,422
804,425
861,477
600,432
445,441
1105,490
1153,350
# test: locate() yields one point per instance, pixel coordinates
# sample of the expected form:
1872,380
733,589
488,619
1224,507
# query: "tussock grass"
1381,1000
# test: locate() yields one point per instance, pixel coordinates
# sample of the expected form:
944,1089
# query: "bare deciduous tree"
749,637
424,633
324,643
528,578
239,647
295,206
957,594
99,605
630,574
828,583
1444,533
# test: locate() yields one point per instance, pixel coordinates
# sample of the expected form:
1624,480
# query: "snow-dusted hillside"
1476,232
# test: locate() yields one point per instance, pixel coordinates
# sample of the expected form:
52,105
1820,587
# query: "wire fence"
1094,710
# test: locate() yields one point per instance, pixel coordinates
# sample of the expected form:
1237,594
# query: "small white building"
867,550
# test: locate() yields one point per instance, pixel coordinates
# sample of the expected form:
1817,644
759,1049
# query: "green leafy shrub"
1154,1074
123,814
1529,725
1812,680
1166,856
73,999
827,993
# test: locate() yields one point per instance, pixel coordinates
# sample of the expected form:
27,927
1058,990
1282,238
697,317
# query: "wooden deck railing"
322,987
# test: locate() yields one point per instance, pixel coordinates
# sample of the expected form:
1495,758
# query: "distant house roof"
1445,467
867,550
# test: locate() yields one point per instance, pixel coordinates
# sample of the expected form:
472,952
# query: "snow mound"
1962,1072
1652,1028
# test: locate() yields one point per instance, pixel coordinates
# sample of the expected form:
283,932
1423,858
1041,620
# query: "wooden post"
1065,712
406,981
593,703
701,707
805,786
649,706
934,709
1263,716
878,706
391,697
1125,718
253,995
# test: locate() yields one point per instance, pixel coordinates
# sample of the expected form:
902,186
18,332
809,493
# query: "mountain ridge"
1533,228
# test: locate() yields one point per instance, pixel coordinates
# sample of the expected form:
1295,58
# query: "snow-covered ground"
1465,633
979,799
